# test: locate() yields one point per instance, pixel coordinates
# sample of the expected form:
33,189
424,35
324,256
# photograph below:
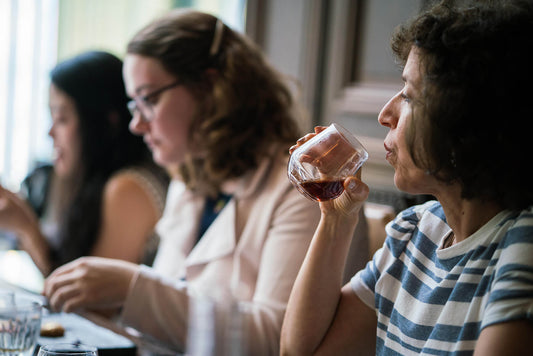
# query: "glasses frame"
142,103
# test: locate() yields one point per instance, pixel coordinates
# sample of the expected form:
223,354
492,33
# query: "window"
28,43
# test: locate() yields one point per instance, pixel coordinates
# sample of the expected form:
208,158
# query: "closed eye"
150,99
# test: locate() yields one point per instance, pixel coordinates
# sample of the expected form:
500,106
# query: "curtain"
28,50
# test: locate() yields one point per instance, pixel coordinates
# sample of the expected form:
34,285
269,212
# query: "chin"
60,169
160,159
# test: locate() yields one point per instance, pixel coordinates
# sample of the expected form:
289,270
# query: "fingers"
304,139
63,284
4,203
65,298
89,282
319,129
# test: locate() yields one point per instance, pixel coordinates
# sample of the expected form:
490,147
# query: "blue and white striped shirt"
436,301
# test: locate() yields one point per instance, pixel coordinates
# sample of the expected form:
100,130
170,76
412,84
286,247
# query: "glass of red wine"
319,167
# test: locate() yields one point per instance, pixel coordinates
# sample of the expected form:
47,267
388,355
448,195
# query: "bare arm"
320,318
17,216
510,338
128,219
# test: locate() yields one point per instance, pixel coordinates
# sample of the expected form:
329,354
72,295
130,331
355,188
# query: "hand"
350,201
15,214
89,283
355,192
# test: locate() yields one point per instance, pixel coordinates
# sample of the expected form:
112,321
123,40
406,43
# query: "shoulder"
516,243
518,226
121,184
417,217
139,182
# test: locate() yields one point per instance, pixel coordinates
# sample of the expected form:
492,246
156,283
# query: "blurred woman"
103,194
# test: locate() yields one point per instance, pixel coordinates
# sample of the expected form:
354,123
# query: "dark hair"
94,81
245,104
474,122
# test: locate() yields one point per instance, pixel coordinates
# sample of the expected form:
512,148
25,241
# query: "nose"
389,114
51,131
137,125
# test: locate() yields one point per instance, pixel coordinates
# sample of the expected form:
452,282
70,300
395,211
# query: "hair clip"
217,38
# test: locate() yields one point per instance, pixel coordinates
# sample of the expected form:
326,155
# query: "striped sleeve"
511,297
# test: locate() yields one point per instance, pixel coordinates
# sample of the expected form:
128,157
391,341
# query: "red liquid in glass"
323,189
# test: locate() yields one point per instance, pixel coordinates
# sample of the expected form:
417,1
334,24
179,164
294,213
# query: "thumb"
353,197
356,189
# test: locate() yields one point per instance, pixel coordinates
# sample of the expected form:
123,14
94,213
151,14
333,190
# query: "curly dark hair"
93,80
474,123
245,104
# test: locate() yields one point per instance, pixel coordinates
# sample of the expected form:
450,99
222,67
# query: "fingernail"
351,185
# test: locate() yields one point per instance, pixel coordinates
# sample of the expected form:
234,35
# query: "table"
18,273
81,330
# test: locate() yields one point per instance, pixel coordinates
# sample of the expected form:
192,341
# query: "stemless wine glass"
319,167
20,322
61,349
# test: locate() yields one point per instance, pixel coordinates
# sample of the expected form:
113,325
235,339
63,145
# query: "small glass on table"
20,323
67,349
319,167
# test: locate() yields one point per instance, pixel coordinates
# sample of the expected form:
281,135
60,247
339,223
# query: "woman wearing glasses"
209,106
103,194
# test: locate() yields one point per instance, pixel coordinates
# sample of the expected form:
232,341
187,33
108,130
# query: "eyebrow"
141,88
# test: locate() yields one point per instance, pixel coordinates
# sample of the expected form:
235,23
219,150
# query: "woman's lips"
388,152
150,143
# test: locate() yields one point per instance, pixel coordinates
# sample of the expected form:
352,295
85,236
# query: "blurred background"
337,51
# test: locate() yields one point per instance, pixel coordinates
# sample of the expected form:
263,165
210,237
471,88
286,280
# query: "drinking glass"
7,298
319,167
67,349
20,323
217,326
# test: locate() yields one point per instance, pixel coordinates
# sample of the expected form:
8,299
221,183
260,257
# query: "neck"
467,216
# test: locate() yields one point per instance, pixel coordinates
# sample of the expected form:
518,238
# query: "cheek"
172,141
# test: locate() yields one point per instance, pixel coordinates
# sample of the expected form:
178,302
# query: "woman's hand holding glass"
325,166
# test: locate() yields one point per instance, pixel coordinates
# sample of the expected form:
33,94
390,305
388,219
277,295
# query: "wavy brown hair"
244,105
474,122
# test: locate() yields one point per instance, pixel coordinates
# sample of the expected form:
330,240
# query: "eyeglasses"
143,104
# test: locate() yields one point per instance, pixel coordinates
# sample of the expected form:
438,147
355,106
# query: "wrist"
338,224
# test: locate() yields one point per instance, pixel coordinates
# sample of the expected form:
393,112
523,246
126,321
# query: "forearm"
35,244
158,307
510,338
316,293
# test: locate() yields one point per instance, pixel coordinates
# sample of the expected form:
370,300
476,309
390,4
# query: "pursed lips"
388,152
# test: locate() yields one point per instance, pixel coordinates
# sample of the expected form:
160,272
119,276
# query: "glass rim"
345,134
348,136
67,348
22,304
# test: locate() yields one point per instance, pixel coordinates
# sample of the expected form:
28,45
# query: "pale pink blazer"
251,252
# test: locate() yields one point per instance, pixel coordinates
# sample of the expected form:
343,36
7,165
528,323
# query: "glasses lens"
132,107
141,107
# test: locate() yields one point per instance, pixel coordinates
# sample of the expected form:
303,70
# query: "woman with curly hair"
455,275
